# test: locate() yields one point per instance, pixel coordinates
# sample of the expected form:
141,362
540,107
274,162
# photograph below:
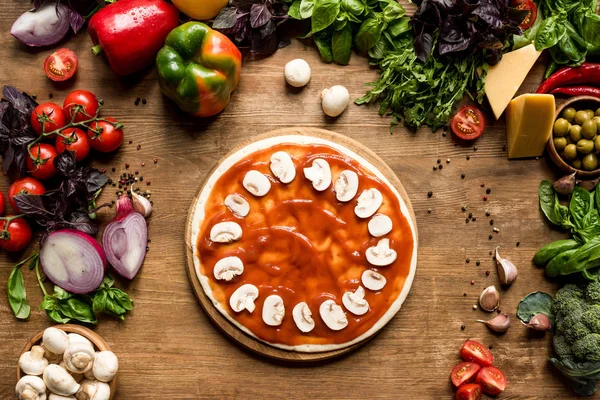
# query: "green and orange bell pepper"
198,68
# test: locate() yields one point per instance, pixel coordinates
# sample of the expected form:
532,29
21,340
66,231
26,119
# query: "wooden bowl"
591,102
93,337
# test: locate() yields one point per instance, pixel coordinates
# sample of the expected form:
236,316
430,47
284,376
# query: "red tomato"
83,102
2,203
533,12
468,123
42,166
463,372
492,380
476,352
471,391
61,65
107,138
24,186
49,116
75,140
17,236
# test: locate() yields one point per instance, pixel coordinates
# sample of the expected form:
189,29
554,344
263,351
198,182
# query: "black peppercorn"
462,176
488,191
429,194
491,222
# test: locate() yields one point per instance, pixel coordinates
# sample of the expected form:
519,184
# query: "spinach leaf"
581,204
341,45
17,295
306,8
324,13
583,376
586,257
533,304
550,205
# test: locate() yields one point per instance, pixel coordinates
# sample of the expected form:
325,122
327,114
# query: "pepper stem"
97,50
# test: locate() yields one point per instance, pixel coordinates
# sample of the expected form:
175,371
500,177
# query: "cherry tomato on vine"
471,391
492,380
50,115
83,102
61,65
529,6
42,164
107,138
468,123
463,372
73,139
25,185
16,236
2,203
476,352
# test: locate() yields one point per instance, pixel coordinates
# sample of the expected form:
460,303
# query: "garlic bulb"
500,323
507,271
489,299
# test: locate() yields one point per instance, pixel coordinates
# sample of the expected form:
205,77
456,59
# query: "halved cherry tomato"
49,116
492,380
476,352
107,138
2,204
17,236
42,165
25,185
533,12
83,102
61,65
464,372
470,391
73,139
468,123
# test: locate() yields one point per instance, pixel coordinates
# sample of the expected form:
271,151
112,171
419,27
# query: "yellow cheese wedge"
529,122
504,79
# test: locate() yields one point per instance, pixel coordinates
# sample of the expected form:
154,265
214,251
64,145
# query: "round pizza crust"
199,214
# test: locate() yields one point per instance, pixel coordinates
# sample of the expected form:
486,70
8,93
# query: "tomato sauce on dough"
303,245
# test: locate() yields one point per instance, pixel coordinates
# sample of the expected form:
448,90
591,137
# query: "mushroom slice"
319,174
380,225
226,232
256,183
355,301
303,317
273,310
31,388
59,381
228,267
33,362
373,280
369,202
243,298
346,185
237,204
333,315
381,255
283,167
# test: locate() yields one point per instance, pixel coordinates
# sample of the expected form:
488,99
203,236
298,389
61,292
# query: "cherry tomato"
2,203
108,137
468,123
83,102
61,65
17,236
464,372
42,166
476,352
492,380
471,391
533,12
75,140
25,185
49,115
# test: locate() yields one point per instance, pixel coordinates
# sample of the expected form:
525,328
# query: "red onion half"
125,239
42,27
73,260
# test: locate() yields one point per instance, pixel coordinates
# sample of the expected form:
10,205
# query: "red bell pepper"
131,32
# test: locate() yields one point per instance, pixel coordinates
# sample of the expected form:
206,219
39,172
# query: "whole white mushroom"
297,73
334,100
55,340
31,388
33,362
105,366
59,397
93,390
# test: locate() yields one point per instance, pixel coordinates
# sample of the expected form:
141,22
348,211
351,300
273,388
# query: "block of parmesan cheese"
529,123
504,79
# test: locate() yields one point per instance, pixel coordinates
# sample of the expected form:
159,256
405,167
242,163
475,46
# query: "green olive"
590,162
597,121
575,133
560,143
589,129
590,113
597,143
569,114
598,112
585,146
577,164
581,117
570,152
561,127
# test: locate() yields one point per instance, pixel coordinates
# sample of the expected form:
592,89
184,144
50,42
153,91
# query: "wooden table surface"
167,347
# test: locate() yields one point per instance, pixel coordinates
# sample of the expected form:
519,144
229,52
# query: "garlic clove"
507,271
346,185
489,299
368,203
141,204
589,185
283,167
373,280
237,204
319,173
273,310
227,268
225,232
380,225
243,298
381,255
333,315
566,184
303,317
500,323
355,301
539,322
256,183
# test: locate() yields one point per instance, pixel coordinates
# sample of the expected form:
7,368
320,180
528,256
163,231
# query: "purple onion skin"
22,28
83,245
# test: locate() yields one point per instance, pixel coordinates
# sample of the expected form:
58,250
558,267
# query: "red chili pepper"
586,74
131,32
577,91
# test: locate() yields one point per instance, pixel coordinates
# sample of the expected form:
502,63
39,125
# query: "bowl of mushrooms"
67,362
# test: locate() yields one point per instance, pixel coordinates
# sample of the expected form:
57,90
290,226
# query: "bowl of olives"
575,141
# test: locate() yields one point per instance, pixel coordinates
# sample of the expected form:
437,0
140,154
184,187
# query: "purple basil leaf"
263,47
243,5
226,18
446,48
7,159
32,205
19,162
259,15
65,162
489,14
21,101
423,46
267,29
82,222
76,20
284,42
95,181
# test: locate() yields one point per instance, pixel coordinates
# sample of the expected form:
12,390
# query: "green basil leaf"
123,299
353,6
597,196
294,10
392,12
533,304
57,317
78,310
324,13
324,48
399,27
581,204
61,294
99,302
550,32
306,8
341,45
34,261
17,295
49,303
368,34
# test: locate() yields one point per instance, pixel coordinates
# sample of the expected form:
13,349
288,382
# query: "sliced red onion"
125,239
42,27
73,260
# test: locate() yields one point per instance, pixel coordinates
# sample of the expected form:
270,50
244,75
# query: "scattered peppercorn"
474,219
126,165
464,208
141,178
131,142
143,101
444,134
147,248
439,161
441,166
447,161
468,158
462,176
429,194
465,294
139,146
51,95
148,182
429,210
34,96
468,260
490,237
462,327
496,230
490,347
487,272
475,148
482,184
137,101
518,244
488,191
478,263
504,148
114,170
487,214
485,198
491,222
435,167
466,220
470,215
472,282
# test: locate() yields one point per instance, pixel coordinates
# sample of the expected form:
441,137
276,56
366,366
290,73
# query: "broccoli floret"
568,307
568,291
592,293
587,348
591,318
562,348
577,331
